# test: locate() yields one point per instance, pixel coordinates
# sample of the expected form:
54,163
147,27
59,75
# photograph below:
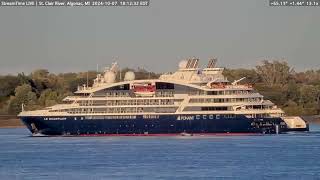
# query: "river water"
285,156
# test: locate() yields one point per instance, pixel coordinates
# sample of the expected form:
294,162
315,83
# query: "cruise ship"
190,101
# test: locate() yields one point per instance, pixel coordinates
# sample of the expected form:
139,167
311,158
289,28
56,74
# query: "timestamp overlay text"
73,3
295,3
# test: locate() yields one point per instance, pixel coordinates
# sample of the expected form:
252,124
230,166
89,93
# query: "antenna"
114,67
87,78
120,73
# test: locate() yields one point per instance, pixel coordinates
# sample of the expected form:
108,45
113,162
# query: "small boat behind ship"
189,101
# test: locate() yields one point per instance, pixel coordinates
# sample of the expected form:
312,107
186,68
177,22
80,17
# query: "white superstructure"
189,90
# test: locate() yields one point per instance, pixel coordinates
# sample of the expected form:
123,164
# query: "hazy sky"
240,33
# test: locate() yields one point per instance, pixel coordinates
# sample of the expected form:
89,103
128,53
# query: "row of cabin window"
223,100
222,108
106,110
127,94
171,93
130,102
121,110
228,92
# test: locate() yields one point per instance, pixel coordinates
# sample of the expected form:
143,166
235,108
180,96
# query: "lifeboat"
144,89
217,84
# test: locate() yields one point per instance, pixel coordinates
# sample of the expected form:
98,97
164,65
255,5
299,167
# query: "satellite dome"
183,64
129,76
109,77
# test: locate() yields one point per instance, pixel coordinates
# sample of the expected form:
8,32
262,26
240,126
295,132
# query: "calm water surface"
286,156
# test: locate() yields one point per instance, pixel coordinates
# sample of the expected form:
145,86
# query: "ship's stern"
296,123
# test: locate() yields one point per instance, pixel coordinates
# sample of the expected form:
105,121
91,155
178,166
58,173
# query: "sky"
239,33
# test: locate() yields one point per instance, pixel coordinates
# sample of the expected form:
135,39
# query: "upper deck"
189,74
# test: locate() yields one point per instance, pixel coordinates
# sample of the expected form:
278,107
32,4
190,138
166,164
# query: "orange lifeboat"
218,86
144,89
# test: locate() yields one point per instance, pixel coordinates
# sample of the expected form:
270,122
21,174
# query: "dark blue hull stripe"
159,124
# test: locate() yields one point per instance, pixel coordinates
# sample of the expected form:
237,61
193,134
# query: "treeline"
298,93
41,88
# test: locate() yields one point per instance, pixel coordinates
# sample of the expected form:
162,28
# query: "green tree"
8,84
293,92
40,79
48,98
235,74
144,74
308,94
23,95
275,72
24,79
291,108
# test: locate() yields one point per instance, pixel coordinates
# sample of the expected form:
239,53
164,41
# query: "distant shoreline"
312,119
7,121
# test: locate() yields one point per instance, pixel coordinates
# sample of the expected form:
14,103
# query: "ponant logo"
185,118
